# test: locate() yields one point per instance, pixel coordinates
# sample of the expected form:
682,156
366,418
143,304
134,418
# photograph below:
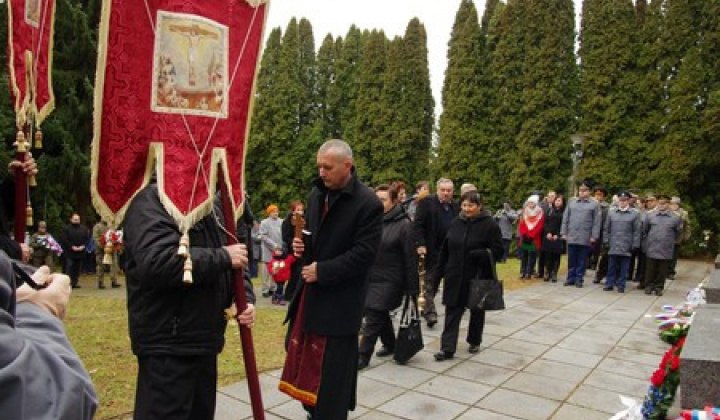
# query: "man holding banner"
173,90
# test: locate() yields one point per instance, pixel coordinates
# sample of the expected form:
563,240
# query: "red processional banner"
173,96
30,47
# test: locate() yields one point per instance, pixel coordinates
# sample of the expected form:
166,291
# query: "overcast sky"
392,16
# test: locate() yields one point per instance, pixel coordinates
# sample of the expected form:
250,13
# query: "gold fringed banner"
173,96
30,48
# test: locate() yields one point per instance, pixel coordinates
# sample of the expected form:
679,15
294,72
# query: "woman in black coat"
464,256
393,272
553,245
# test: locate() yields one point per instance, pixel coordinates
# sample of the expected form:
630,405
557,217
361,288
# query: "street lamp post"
576,156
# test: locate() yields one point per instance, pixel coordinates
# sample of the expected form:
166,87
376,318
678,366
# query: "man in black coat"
432,218
178,329
74,239
344,218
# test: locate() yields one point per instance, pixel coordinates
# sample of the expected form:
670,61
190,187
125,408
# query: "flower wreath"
663,384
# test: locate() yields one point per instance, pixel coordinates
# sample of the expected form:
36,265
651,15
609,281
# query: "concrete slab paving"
556,353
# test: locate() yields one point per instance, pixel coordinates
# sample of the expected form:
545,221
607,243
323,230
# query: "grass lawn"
97,326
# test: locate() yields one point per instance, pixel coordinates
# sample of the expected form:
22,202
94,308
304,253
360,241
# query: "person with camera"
41,376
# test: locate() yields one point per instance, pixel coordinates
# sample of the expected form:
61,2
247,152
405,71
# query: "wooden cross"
298,221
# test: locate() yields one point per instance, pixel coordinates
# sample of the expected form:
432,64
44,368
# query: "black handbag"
409,338
486,293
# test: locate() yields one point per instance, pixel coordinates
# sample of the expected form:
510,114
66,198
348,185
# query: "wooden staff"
241,304
22,145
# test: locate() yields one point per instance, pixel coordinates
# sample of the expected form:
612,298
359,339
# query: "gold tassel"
107,258
183,249
20,142
32,181
38,139
28,216
187,274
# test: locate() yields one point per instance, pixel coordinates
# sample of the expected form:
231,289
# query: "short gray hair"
443,181
340,147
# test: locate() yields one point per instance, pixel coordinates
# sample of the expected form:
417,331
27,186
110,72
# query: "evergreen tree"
329,115
547,109
457,148
608,50
345,90
369,123
409,106
264,122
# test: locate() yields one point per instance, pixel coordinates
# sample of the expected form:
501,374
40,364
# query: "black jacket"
463,253
427,229
165,315
395,267
343,244
553,223
7,206
74,235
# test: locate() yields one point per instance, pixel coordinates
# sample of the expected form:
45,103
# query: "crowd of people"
343,273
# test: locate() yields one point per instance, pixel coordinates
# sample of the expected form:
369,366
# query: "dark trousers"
656,272
451,332
377,324
338,386
552,262
527,264
278,295
176,387
73,267
541,263
673,262
577,262
506,249
615,261
640,272
602,264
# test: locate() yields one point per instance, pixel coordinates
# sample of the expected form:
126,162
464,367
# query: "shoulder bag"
486,293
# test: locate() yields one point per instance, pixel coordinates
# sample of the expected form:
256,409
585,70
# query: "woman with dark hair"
392,274
552,244
463,256
288,231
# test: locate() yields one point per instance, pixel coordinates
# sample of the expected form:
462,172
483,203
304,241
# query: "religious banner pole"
246,339
30,41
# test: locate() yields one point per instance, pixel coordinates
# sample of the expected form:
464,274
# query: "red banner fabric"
174,88
30,43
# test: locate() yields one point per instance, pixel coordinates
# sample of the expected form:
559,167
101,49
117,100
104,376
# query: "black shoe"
546,278
658,292
101,286
362,363
579,285
568,283
596,281
116,285
608,288
431,320
384,351
265,294
474,348
640,286
648,291
443,355
76,286
621,290
671,277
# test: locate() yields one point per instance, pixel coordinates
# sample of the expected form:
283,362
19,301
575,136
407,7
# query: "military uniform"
662,231
581,225
621,235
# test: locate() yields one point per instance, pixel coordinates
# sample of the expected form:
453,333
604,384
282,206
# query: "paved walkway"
557,352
